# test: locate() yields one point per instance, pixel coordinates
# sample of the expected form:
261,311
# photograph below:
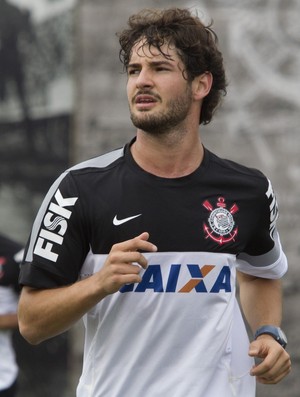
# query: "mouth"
145,101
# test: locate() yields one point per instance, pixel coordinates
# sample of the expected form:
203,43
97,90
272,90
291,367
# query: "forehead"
142,50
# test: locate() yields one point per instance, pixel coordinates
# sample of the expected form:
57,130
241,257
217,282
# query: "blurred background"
63,100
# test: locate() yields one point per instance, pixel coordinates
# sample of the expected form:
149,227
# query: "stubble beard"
163,123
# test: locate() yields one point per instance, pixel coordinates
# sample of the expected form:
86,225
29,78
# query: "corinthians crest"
221,227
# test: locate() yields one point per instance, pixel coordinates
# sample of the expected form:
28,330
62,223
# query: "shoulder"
83,174
233,167
102,162
236,172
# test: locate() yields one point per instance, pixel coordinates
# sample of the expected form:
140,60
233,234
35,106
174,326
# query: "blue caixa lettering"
152,279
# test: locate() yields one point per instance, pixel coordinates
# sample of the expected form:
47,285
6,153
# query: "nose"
144,79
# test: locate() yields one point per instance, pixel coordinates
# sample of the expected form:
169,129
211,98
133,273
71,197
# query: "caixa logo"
152,279
55,226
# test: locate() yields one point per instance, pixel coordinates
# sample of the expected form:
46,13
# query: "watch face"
282,336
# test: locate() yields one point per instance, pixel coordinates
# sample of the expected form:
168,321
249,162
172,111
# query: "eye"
132,72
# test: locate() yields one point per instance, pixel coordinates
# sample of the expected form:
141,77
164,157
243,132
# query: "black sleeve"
262,240
59,241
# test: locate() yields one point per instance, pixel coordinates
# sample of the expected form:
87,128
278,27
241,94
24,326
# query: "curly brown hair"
195,43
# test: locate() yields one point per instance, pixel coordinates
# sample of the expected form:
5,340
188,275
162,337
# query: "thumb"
254,349
144,236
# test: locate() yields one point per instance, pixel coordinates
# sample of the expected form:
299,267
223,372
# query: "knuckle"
268,366
137,257
116,247
136,269
113,256
115,280
141,257
134,255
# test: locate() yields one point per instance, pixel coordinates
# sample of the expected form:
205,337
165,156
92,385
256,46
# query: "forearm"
49,312
8,321
46,313
261,300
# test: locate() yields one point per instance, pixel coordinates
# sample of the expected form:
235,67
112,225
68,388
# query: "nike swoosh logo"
118,222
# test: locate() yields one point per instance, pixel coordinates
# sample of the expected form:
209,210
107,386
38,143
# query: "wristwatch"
275,332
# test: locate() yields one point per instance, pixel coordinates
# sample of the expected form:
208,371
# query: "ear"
201,85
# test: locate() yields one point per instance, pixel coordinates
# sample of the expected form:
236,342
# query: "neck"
168,156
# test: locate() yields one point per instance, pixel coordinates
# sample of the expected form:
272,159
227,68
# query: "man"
10,257
145,242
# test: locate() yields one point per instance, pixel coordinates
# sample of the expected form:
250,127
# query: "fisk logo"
55,223
273,209
152,279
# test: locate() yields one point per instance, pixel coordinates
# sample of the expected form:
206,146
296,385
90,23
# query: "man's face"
159,97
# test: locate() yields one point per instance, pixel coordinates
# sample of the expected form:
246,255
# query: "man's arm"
48,312
8,321
261,301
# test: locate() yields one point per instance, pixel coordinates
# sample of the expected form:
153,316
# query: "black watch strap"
275,332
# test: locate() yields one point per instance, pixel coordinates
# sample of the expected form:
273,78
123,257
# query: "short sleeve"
263,256
58,243
273,264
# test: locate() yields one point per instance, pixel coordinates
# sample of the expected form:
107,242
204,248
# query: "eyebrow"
152,64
